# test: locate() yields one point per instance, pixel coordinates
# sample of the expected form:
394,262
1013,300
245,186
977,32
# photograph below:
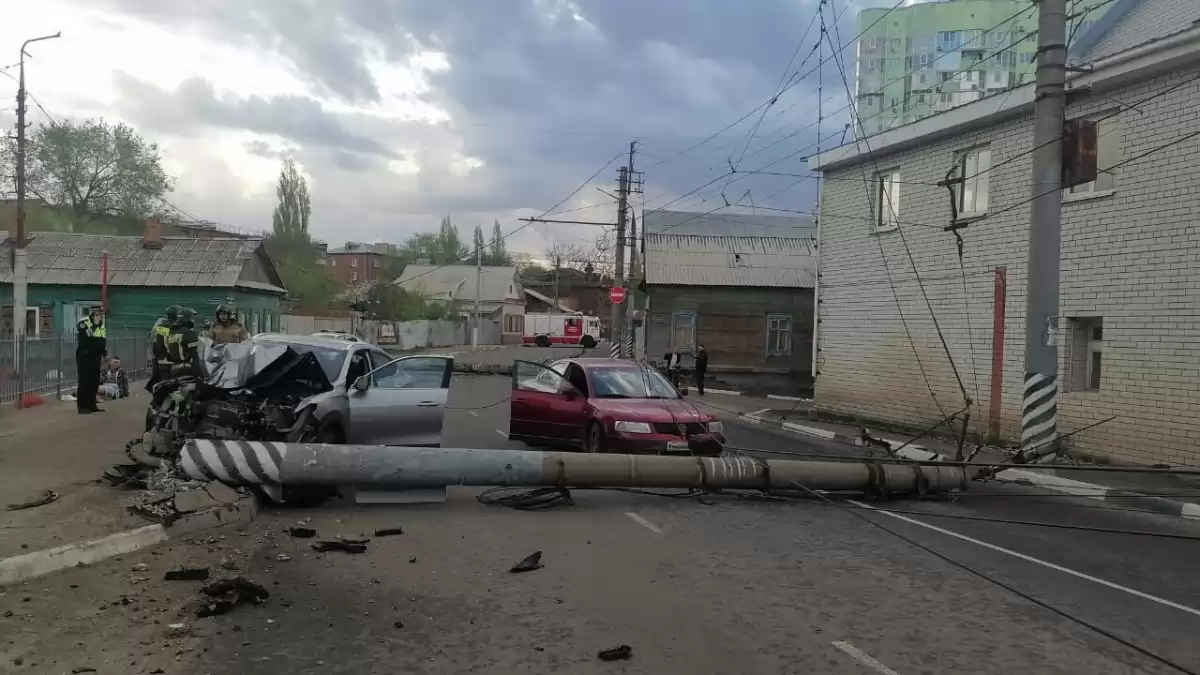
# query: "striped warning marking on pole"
615,350
629,346
234,462
1039,410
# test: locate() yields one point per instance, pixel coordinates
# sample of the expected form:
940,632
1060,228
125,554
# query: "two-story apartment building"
904,316
357,263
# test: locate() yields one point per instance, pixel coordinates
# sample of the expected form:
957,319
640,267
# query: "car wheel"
588,342
542,341
593,438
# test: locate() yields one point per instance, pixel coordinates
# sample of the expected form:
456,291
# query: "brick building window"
333,262
1087,354
779,334
353,275
354,262
376,262
973,167
887,200
1108,153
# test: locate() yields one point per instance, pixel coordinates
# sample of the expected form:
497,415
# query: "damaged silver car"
293,388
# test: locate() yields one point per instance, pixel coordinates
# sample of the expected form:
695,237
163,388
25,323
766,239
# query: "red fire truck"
544,330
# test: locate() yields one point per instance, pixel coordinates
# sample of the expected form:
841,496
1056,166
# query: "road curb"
38,563
1044,478
35,564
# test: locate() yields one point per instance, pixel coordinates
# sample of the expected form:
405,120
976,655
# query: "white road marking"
864,658
1022,556
759,412
472,413
643,522
502,434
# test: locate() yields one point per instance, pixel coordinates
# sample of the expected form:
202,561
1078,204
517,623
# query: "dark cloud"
195,102
543,91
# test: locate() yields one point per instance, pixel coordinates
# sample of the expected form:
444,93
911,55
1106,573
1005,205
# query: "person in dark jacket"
91,346
159,363
701,367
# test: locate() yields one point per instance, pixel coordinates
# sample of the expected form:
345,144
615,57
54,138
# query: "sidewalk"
52,447
1167,493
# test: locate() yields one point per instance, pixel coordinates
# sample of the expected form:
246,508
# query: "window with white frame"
376,262
1108,153
887,200
354,262
1087,353
974,166
683,331
779,334
354,276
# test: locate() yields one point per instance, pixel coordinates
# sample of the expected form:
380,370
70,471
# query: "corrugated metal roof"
75,259
457,282
696,260
725,224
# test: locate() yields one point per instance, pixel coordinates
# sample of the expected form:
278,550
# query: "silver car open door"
402,402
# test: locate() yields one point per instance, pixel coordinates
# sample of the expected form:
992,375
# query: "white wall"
1131,257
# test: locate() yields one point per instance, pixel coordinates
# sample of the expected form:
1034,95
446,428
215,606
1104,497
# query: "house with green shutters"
141,276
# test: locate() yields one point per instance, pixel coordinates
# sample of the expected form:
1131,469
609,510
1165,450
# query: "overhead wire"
883,195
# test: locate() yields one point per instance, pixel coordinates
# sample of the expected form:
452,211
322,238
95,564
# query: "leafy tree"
498,253
480,248
290,220
93,169
449,248
309,283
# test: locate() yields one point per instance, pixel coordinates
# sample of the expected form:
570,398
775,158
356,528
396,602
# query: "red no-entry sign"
616,295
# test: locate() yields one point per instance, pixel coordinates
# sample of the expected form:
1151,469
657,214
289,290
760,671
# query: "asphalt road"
723,586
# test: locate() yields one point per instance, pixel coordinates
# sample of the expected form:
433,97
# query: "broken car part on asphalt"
339,545
223,596
187,574
620,653
315,464
531,562
45,498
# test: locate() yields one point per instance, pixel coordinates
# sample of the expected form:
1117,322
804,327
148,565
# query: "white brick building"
1129,321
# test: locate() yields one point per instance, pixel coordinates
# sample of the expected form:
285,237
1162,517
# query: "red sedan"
607,405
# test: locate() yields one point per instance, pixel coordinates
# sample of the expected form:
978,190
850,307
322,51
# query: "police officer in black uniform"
91,347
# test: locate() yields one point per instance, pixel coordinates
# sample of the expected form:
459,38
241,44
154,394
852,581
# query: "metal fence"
46,365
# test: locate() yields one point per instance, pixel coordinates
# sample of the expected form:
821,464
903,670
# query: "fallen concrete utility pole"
273,465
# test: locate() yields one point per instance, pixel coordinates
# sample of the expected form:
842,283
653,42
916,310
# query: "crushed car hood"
268,370
649,410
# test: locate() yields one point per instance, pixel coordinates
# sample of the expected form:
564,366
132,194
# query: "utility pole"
557,267
618,325
478,292
19,258
20,267
1039,403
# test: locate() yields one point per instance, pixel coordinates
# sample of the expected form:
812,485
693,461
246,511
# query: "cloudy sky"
402,111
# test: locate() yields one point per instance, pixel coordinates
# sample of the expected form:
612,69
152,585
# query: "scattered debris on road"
412,560
82,669
140,567
616,653
187,574
532,562
344,547
227,594
283,557
41,500
354,540
302,532
177,630
389,531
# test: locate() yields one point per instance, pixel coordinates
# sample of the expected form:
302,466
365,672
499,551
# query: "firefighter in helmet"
183,345
160,365
227,330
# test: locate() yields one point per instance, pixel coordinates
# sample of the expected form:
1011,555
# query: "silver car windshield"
331,360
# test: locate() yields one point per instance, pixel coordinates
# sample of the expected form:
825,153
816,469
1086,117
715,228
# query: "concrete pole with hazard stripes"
1039,402
271,466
